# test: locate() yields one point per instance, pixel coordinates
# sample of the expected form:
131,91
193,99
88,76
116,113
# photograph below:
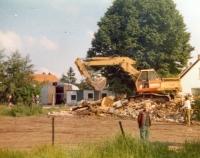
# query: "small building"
75,96
190,78
55,92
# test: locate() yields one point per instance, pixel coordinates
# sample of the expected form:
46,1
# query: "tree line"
16,79
151,32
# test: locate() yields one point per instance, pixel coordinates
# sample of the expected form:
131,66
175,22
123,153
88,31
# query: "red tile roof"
45,78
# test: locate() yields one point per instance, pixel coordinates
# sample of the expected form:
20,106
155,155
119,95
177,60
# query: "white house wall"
191,79
44,95
85,95
69,101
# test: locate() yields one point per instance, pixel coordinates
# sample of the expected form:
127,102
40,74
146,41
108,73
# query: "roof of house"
188,68
45,78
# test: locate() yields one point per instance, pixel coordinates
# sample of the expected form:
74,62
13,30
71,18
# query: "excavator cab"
148,81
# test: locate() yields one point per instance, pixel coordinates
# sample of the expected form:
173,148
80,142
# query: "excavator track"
158,98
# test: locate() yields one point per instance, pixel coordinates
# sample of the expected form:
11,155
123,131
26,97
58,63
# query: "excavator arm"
124,62
148,84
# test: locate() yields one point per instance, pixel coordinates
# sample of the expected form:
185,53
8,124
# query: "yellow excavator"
148,83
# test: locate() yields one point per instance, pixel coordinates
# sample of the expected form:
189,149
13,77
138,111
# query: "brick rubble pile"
108,106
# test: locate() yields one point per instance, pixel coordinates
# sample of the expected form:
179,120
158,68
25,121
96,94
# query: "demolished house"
112,106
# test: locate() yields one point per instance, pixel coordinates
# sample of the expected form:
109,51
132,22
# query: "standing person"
187,109
37,100
144,121
9,101
32,101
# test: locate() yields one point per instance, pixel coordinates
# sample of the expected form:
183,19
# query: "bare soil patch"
27,132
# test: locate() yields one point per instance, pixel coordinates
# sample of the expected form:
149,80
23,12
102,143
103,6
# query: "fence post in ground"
53,131
53,100
122,130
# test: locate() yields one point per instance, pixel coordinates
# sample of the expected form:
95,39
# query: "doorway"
59,95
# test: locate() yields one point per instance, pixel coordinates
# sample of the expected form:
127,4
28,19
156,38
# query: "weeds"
196,108
118,147
20,110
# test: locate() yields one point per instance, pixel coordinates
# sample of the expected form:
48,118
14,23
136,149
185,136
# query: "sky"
54,33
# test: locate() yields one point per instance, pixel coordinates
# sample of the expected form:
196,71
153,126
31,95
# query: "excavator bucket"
99,83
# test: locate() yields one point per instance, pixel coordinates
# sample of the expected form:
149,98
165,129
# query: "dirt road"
27,132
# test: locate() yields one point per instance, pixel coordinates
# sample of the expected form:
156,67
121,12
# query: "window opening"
90,95
73,97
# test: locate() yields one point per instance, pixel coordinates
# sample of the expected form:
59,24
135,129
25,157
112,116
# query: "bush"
23,110
4,111
20,110
196,108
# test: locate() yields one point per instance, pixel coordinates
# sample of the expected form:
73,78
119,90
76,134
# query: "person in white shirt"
187,107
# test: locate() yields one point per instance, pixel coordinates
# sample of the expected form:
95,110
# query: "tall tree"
69,78
152,32
2,73
84,85
17,80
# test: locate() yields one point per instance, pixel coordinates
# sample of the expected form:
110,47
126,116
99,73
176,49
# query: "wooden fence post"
120,124
53,131
53,100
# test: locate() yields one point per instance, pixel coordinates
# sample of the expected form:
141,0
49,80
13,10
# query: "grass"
21,110
117,147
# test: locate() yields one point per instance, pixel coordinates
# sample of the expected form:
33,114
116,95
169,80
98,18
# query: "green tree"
2,74
84,85
70,78
152,32
17,80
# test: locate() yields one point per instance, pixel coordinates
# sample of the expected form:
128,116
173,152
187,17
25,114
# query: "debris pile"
60,113
111,106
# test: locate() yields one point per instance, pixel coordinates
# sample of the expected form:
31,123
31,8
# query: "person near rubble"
32,101
10,101
144,121
37,100
187,108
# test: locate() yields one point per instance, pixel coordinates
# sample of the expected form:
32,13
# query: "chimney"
190,63
198,56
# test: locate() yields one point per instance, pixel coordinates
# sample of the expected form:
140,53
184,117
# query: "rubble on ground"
59,113
120,107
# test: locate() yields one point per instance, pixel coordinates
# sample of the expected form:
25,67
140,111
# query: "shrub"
4,111
196,108
20,110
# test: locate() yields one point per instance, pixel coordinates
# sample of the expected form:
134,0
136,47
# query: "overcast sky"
54,33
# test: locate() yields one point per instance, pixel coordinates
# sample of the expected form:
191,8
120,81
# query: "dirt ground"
26,132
